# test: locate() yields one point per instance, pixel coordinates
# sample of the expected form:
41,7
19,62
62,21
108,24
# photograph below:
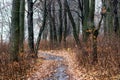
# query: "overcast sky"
8,10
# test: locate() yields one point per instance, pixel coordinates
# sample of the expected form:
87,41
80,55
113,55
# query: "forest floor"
60,65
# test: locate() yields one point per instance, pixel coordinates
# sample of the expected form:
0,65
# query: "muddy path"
59,71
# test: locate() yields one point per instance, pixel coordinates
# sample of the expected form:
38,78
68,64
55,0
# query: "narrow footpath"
59,69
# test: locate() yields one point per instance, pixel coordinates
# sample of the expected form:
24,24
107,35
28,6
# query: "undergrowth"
107,68
14,70
108,47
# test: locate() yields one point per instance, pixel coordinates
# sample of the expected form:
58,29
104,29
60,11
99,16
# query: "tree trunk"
14,31
42,28
95,33
94,54
119,17
108,19
30,26
115,12
78,26
76,37
60,20
22,15
65,24
50,25
2,24
85,20
54,26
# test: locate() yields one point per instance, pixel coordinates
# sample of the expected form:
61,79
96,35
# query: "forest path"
59,65
60,70
53,67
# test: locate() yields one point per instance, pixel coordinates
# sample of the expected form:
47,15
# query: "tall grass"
108,58
14,70
107,68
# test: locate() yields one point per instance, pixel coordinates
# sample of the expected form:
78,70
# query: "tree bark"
115,12
85,20
54,26
108,19
76,37
30,26
14,31
22,15
50,24
60,20
65,24
42,28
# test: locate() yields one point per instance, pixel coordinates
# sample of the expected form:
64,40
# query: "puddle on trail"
60,73
52,57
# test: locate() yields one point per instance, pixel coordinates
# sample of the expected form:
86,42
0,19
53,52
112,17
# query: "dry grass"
46,45
14,70
108,67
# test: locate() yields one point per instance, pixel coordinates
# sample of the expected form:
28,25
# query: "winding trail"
62,65
61,68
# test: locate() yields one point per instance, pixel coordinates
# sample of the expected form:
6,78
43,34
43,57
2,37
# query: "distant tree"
45,13
2,19
76,37
115,8
112,19
108,19
60,21
50,17
14,31
54,23
65,24
119,17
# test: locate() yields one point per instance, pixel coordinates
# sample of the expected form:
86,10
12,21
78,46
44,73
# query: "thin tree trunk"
60,20
115,11
119,17
1,36
95,33
65,24
76,37
42,28
108,18
54,26
30,26
50,25
78,26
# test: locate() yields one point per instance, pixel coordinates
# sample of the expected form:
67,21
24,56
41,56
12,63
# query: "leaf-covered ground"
62,65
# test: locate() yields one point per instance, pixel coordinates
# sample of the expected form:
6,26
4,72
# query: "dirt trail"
60,68
62,65
60,71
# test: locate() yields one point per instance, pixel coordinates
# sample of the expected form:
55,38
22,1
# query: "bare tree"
30,26
116,19
22,16
14,31
42,28
60,20
65,24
